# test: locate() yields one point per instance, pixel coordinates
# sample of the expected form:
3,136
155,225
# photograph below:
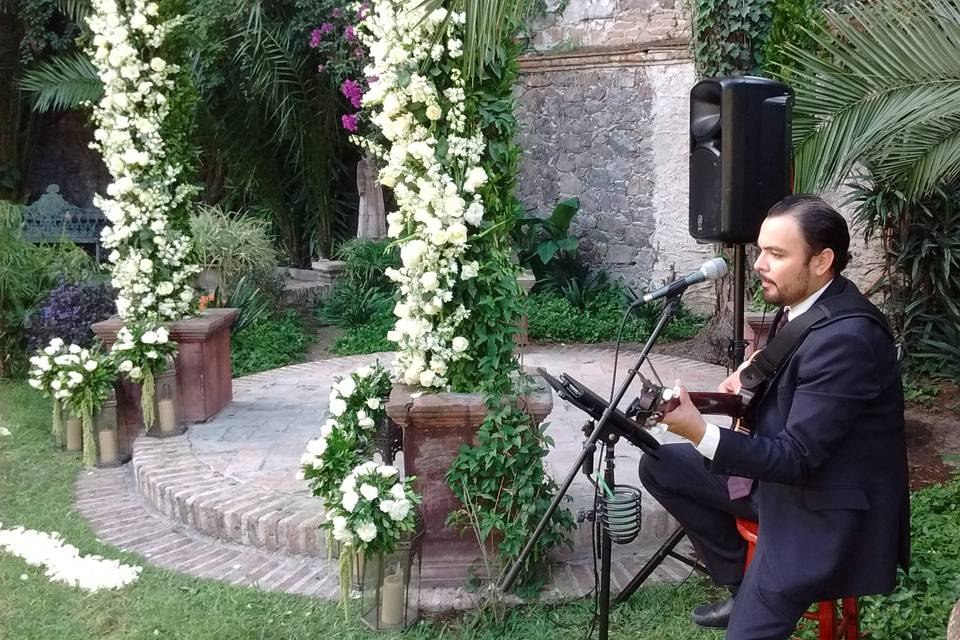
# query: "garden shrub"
232,243
370,337
269,344
68,311
553,318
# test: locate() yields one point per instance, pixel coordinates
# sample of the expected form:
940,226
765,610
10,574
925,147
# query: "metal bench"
51,219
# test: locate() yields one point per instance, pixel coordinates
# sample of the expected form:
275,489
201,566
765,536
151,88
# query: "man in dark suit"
824,471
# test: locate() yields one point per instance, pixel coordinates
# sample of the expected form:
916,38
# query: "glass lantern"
390,599
167,405
111,450
388,440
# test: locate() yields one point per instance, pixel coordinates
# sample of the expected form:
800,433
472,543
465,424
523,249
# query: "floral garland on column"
432,161
141,138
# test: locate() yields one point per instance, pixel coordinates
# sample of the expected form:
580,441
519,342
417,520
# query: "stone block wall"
609,126
569,24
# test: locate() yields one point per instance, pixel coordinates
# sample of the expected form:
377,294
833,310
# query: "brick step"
174,482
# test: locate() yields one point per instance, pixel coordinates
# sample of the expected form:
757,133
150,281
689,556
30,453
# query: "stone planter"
756,326
434,426
204,378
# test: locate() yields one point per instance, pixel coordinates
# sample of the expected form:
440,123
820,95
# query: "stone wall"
569,24
609,126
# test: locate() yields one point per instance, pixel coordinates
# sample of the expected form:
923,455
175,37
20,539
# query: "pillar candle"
168,415
74,437
107,439
391,609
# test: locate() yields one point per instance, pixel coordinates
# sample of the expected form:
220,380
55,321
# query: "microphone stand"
610,435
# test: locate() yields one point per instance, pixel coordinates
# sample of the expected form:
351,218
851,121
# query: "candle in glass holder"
167,415
74,437
391,609
107,438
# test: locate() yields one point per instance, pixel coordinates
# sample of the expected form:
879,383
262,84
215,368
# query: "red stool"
830,625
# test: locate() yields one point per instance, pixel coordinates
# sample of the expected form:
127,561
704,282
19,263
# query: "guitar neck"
718,404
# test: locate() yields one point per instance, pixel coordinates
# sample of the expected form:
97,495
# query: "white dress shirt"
711,437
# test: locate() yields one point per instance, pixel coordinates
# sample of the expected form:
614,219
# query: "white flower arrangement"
375,507
149,256
150,268
356,403
79,379
64,563
431,156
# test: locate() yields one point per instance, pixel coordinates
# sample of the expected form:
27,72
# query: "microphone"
709,270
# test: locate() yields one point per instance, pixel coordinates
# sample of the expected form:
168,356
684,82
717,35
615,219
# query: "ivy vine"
728,35
502,482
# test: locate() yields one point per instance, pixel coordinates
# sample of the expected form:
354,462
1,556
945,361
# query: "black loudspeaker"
740,156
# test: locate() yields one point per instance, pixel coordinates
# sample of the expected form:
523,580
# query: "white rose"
73,348
394,336
373,403
165,288
391,104
427,378
90,365
460,344
367,531
33,382
470,270
402,310
457,233
369,491
429,280
317,447
349,501
475,177
346,387
137,21
338,406
56,343
364,372
162,335
149,337
412,252
136,373
126,366
434,112
398,492
146,265
387,471
401,508
158,64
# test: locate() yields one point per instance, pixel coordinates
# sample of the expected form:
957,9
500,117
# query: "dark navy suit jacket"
830,457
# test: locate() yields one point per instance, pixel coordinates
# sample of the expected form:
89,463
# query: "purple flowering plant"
340,56
68,311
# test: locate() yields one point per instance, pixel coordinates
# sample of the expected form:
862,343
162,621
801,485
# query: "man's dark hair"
820,224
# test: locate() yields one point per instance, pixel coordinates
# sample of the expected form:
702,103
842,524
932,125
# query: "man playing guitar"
824,468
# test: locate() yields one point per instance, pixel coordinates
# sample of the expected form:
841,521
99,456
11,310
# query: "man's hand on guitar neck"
686,420
732,383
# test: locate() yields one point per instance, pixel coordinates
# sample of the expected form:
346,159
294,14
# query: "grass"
35,491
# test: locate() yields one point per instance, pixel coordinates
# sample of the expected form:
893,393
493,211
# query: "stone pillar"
372,219
204,377
434,426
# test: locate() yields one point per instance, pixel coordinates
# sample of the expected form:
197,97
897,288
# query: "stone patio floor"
223,501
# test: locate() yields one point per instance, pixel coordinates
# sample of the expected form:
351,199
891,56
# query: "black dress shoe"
713,615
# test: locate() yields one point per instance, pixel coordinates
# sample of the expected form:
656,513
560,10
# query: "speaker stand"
738,346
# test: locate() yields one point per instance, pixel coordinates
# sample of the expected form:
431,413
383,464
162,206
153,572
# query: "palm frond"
61,83
887,67
76,10
485,24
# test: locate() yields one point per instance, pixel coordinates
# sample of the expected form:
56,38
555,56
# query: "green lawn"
35,489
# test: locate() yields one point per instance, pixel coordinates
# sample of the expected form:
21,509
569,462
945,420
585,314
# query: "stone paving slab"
231,481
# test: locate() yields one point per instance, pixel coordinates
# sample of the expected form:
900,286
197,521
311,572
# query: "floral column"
144,144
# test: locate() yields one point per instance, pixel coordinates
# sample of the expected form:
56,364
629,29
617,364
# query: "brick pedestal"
204,378
756,326
434,426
